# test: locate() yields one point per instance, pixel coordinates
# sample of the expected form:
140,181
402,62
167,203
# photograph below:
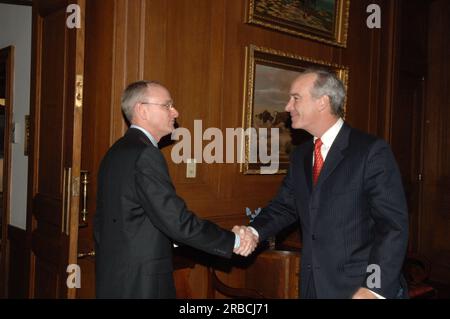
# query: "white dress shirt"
328,138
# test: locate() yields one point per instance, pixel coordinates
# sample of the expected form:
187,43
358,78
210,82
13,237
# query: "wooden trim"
35,106
391,67
76,144
8,55
374,80
117,124
18,2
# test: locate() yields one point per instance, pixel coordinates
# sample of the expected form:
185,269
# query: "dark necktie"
318,161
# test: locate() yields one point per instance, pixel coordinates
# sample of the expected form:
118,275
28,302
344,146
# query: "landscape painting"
322,20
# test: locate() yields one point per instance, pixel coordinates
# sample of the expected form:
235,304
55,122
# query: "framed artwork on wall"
269,74
322,20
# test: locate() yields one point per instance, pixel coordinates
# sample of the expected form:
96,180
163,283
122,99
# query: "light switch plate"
191,168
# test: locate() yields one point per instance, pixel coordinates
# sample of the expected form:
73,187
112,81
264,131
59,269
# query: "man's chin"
170,131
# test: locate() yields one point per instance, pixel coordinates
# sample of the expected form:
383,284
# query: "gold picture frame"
322,20
269,74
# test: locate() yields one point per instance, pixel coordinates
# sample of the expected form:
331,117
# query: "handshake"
248,240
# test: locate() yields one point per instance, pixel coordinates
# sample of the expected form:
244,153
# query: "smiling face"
152,114
304,109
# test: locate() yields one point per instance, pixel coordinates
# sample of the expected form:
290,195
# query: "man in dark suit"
345,190
138,211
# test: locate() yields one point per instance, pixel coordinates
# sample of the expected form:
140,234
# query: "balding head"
134,93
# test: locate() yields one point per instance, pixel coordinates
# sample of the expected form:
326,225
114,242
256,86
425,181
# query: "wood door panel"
51,101
45,247
48,200
46,7
47,281
87,266
55,164
48,209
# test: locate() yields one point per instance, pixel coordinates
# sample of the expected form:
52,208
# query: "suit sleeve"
384,189
280,212
168,212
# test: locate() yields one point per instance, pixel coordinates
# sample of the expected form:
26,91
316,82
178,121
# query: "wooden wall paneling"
183,54
361,56
403,125
197,89
434,237
406,125
134,40
119,68
97,119
155,52
388,74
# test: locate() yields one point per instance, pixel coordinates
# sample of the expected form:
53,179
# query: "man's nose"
174,112
288,106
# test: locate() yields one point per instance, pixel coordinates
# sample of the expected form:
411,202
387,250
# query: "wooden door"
407,141
6,111
54,165
434,239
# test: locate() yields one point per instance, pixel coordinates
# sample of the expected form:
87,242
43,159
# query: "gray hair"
327,83
133,94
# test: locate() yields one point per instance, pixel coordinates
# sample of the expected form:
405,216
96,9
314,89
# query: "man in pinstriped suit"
345,190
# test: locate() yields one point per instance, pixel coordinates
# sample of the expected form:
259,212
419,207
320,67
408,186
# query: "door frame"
6,54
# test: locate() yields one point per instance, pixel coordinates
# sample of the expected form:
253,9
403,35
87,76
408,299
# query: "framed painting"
269,74
322,20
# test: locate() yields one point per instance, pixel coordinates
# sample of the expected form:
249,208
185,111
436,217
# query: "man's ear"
324,102
139,111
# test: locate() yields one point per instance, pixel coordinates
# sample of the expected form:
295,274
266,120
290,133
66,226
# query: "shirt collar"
150,137
330,135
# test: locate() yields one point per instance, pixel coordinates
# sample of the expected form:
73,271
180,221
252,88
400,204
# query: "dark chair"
416,270
215,284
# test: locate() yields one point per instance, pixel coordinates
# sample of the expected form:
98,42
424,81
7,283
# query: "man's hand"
248,239
364,293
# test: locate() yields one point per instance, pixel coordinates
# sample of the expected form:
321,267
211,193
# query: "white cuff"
377,295
254,231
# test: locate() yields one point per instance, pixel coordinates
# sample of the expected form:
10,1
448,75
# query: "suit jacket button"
313,237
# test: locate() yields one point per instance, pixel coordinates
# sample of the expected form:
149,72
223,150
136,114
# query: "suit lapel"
335,155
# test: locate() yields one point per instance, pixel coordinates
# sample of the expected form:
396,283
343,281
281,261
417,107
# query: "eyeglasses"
168,106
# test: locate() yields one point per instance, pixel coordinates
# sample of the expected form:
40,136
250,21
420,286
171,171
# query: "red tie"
318,161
